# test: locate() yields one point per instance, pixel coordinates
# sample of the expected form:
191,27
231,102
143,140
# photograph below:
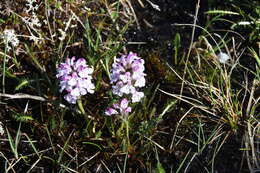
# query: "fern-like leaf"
21,117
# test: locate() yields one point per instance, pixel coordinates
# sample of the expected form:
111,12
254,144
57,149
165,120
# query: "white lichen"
223,57
155,6
68,25
32,21
32,6
2,132
63,35
10,38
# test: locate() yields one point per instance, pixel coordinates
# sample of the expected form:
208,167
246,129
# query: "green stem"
79,102
127,130
4,64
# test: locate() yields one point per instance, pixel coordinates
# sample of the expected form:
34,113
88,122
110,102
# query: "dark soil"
157,29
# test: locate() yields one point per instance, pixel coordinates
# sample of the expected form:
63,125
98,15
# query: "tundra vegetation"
130,86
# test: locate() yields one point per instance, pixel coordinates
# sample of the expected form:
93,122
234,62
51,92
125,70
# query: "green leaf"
21,117
221,12
98,134
23,83
12,144
177,40
114,15
93,144
2,21
159,168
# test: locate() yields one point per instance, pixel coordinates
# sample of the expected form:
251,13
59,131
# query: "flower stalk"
127,76
81,108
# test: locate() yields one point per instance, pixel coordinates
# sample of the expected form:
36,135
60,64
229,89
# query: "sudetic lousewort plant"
75,77
127,76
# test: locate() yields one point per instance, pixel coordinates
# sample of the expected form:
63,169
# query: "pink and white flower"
127,75
75,78
121,107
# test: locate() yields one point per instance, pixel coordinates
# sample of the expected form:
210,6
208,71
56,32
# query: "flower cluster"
75,77
9,37
119,108
127,76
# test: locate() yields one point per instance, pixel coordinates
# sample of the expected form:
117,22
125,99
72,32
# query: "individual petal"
125,77
68,61
140,82
61,73
63,69
85,72
81,62
129,59
75,92
114,77
72,81
132,89
69,88
124,103
63,85
116,88
116,91
122,60
85,83
110,111
91,88
72,61
70,99
137,75
82,83
82,91
138,65
117,67
128,110
116,106
137,96
66,77
125,89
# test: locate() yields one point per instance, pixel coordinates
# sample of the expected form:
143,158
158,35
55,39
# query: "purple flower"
127,75
121,107
111,111
75,78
